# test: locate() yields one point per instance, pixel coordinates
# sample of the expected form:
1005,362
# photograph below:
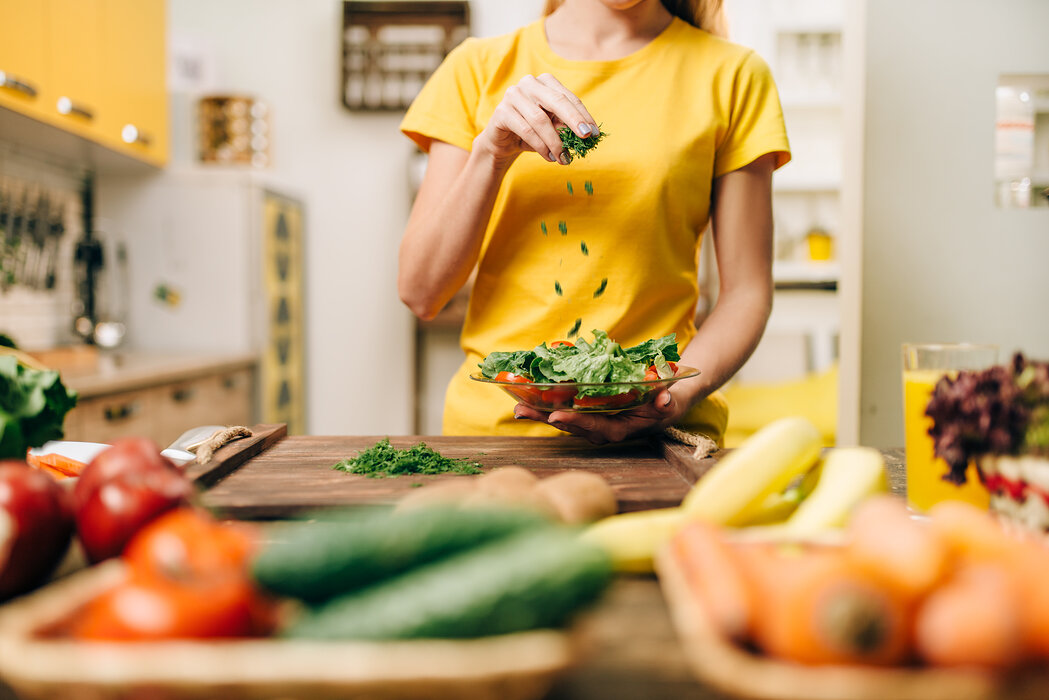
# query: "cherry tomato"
615,401
562,344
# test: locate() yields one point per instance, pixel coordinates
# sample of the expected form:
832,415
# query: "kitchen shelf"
805,272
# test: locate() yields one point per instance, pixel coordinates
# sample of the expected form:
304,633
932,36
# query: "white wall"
940,261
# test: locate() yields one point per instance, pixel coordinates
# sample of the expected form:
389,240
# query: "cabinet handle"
230,383
121,412
183,395
67,106
17,84
131,134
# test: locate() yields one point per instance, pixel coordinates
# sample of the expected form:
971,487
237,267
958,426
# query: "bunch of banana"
775,485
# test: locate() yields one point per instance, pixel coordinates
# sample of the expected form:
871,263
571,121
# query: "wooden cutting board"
273,475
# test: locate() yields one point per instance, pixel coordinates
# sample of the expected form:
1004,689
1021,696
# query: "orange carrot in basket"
969,531
884,539
53,462
819,607
975,619
715,577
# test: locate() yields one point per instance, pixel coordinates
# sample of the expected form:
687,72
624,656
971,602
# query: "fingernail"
565,158
584,129
551,157
518,417
666,401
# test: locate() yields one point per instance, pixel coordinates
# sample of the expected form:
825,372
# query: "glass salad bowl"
601,397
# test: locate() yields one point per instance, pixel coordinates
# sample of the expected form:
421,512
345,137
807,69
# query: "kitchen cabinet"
160,397
95,69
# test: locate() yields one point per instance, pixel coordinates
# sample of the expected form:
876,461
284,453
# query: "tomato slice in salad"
529,395
562,344
558,397
652,374
614,401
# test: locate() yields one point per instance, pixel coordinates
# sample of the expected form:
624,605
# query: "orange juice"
925,484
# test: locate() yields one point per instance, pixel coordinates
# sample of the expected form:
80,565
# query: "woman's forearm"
446,227
725,341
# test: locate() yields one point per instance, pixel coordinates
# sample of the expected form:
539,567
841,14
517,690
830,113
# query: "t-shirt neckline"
537,37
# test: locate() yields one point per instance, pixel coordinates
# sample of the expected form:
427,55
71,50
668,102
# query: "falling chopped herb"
382,460
589,187
542,227
557,288
570,187
582,246
574,330
562,227
579,146
601,288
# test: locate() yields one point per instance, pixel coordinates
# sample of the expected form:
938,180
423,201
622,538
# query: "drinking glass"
923,366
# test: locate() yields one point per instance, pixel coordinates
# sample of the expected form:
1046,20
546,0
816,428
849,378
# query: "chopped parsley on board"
383,460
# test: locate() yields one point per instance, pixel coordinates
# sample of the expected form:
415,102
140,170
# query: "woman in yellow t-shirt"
694,131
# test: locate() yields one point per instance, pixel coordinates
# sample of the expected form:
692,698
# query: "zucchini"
317,560
526,581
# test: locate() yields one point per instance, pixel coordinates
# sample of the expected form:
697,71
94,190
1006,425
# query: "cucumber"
527,581
317,560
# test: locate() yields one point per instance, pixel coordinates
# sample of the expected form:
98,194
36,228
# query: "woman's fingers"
532,111
535,127
580,117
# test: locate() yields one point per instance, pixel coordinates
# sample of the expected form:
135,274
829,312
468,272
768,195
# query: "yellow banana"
631,539
850,474
733,490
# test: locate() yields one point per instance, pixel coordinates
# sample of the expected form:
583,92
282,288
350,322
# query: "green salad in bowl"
596,376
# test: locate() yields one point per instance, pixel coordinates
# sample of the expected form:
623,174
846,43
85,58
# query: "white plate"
87,451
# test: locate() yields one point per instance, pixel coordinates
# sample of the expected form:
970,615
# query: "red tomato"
123,456
615,401
36,526
558,397
188,544
652,374
117,508
529,395
149,609
562,343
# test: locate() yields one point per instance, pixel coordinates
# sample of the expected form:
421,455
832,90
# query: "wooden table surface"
633,649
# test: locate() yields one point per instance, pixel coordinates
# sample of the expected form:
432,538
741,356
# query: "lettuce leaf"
33,406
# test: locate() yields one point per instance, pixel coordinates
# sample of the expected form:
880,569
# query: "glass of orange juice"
923,365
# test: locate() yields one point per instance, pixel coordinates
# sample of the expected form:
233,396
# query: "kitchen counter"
157,395
136,370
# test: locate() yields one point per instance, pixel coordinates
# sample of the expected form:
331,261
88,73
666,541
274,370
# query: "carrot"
884,539
1032,572
716,578
975,619
54,463
820,608
970,532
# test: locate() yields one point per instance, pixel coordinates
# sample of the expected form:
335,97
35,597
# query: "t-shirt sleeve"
756,125
444,110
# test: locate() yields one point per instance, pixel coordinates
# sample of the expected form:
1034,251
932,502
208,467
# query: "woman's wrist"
486,156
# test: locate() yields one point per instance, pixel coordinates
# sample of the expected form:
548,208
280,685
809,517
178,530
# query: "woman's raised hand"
528,117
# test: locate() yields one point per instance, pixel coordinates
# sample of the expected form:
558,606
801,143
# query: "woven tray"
515,666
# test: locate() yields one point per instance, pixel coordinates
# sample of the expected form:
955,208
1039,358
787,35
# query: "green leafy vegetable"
33,405
383,459
602,362
579,146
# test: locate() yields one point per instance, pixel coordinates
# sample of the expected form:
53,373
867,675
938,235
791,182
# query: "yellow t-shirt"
611,241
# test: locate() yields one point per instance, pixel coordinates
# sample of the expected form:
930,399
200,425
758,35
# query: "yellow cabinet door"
74,87
23,55
134,113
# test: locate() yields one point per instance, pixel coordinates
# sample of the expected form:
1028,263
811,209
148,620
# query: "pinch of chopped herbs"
577,146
